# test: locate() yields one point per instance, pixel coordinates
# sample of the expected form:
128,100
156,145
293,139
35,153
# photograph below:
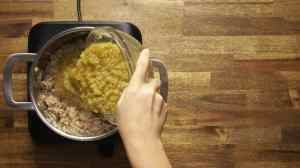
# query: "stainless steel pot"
128,45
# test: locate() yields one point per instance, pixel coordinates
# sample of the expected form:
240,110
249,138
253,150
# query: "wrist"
138,142
149,152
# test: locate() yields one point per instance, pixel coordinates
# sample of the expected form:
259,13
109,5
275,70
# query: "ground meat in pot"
60,111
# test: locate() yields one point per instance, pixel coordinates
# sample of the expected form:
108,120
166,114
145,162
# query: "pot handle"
7,80
163,75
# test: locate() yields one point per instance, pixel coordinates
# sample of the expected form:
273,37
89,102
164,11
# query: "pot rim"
31,91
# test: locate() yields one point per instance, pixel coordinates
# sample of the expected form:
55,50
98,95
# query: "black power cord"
79,16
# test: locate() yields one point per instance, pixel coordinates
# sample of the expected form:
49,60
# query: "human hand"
141,114
141,111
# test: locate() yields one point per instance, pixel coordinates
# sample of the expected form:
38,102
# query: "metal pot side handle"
163,74
7,80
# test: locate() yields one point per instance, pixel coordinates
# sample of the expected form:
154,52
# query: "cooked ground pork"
61,109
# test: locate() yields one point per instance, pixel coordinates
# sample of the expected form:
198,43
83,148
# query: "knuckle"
147,92
131,89
131,92
143,62
166,110
159,97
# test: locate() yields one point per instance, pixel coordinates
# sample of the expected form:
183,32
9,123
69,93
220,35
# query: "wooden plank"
20,119
268,65
235,26
231,1
4,158
257,153
219,156
229,8
25,9
226,62
263,164
269,155
19,94
293,79
189,81
225,155
15,27
253,135
6,118
165,17
290,135
12,45
67,11
245,80
288,9
19,86
227,45
216,135
19,67
295,98
198,62
207,53
229,109
267,56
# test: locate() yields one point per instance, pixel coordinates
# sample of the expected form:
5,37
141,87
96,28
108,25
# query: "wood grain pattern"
25,9
14,28
234,68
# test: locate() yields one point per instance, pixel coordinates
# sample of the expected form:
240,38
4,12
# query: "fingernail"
146,51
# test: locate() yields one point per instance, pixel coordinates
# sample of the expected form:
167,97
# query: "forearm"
147,154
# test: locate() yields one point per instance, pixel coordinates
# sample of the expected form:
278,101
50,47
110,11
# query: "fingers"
158,103
121,97
164,113
154,84
142,66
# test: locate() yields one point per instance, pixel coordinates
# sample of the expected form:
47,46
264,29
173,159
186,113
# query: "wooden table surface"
234,80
